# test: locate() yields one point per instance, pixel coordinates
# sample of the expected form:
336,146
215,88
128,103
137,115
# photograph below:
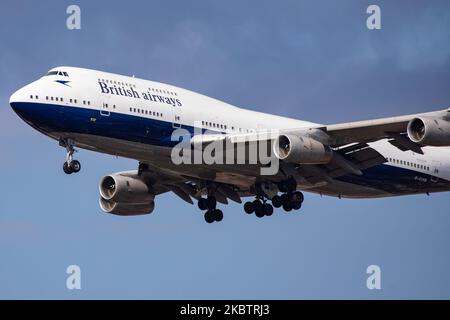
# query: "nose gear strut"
70,165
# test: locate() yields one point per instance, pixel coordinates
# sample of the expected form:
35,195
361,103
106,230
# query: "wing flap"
362,158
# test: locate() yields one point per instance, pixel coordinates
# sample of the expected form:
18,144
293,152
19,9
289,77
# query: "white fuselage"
133,118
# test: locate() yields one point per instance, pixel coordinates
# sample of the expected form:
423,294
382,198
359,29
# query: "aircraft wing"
348,140
393,128
341,134
188,187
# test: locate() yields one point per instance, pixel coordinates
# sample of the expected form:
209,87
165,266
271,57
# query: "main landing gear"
70,165
259,206
289,200
209,204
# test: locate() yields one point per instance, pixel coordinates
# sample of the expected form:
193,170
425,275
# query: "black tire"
218,215
256,203
285,199
268,209
259,211
209,216
211,203
276,201
202,204
66,168
75,166
297,196
296,205
248,207
287,207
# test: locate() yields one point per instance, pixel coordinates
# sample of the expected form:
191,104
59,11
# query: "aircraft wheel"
297,196
209,216
260,212
249,208
285,199
74,166
296,205
268,209
287,207
218,215
66,168
276,201
256,205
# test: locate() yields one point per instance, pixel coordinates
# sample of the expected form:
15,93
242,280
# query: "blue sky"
312,60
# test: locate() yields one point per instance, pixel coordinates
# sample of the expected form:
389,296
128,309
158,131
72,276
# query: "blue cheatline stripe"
57,118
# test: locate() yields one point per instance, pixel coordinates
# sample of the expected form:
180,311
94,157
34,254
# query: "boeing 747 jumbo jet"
164,127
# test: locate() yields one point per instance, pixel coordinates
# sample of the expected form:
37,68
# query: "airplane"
136,118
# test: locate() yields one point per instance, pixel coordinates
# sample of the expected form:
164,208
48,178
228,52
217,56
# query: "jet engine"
126,209
429,131
126,194
302,150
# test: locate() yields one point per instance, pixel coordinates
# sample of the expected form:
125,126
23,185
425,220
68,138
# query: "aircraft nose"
12,99
19,102
15,98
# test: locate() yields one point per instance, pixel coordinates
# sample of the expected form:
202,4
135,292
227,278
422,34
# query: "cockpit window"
57,73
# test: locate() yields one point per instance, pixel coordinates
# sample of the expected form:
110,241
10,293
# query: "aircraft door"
434,171
176,117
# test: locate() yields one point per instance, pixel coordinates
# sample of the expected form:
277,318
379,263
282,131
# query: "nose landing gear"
70,165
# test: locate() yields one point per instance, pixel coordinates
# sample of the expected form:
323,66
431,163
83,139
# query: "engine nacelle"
429,131
302,150
126,209
129,188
